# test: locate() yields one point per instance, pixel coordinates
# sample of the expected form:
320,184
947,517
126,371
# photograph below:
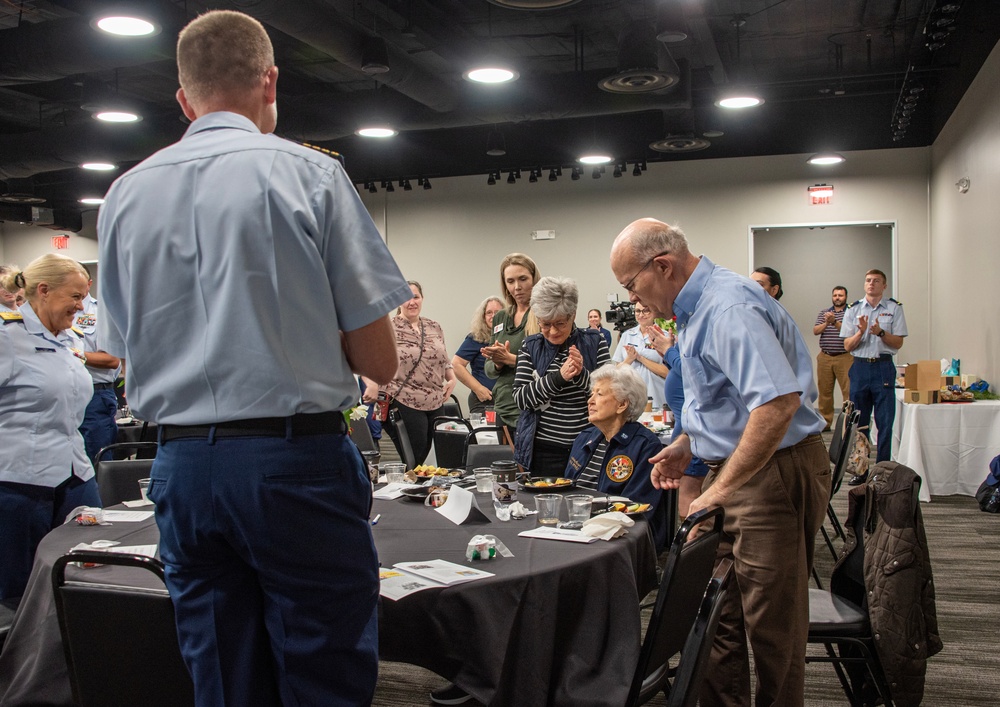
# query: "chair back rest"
837,431
848,577
120,642
451,407
449,445
478,455
850,433
125,450
698,646
403,440
685,577
361,435
118,481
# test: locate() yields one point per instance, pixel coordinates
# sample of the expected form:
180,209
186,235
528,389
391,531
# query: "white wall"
965,230
21,244
452,237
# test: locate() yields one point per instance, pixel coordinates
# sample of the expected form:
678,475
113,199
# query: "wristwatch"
881,334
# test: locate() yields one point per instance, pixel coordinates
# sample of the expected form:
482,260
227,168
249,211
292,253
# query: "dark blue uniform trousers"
29,512
873,385
99,428
271,566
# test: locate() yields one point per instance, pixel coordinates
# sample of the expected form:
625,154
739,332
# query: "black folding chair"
361,435
849,433
451,408
8,607
127,450
449,444
481,455
698,646
686,574
402,440
839,619
120,642
118,479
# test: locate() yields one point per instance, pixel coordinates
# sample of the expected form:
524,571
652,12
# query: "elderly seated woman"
612,455
552,379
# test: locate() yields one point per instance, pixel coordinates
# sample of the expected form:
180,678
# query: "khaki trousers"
830,369
770,529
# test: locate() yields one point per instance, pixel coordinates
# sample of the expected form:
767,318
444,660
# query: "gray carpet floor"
965,554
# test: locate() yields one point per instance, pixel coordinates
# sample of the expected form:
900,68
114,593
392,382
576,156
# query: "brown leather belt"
299,425
716,464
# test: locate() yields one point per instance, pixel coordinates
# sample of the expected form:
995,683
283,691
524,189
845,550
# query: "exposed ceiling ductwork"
832,73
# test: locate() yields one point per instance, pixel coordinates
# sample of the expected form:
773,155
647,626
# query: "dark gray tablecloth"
558,625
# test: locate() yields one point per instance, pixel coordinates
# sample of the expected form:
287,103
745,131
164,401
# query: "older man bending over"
749,414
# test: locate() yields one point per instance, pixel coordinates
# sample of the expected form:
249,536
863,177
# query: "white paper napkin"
607,525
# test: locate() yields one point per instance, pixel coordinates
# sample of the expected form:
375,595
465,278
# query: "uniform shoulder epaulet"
335,155
10,317
854,303
76,331
896,301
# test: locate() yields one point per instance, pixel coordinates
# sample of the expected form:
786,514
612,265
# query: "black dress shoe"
858,480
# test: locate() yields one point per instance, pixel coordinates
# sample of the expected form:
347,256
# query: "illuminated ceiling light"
824,158
98,166
595,158
492,71
738,99
92,200
117,116
382,131
126,22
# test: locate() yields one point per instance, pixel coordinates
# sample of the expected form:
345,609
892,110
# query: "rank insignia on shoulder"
9,317
896,301
854,303
76,331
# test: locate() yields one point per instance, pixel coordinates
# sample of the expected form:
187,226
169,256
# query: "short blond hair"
222,53
52,269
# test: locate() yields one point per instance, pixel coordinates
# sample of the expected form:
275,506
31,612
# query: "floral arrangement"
358,412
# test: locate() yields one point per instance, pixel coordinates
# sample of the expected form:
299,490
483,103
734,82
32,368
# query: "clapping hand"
499,353
572,365
659,339
862,322
630,353
829,318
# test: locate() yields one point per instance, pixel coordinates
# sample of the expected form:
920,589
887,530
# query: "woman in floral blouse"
425,378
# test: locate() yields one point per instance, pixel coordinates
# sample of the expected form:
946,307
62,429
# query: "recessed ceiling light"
126,26
826,158
595,158
92,200
381,132
117,116
741,100
490,74
98,166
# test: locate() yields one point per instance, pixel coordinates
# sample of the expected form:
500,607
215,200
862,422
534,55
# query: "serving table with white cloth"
949,445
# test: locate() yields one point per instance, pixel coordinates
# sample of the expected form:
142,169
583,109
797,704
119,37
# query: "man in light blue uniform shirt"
261,499
98,428
873,331
748,413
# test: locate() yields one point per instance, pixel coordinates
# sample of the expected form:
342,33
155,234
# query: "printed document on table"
573,536
396,584
127,516
442,571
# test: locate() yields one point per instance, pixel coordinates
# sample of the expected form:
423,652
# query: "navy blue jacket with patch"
628,456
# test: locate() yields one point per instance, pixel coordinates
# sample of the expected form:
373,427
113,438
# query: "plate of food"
546,483
624,505
426,471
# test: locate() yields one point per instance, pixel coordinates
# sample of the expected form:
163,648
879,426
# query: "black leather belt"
300,425
839,353
104,386
877,359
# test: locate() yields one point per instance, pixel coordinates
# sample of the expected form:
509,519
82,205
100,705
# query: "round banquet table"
558,624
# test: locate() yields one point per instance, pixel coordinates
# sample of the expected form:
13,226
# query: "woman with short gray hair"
612,455
552,380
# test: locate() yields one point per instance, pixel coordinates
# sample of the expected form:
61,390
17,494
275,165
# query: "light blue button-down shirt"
890,317
230,263
740,349
44,391
86,321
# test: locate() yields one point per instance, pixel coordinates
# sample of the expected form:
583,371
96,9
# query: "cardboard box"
950,380
922,375
920,397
